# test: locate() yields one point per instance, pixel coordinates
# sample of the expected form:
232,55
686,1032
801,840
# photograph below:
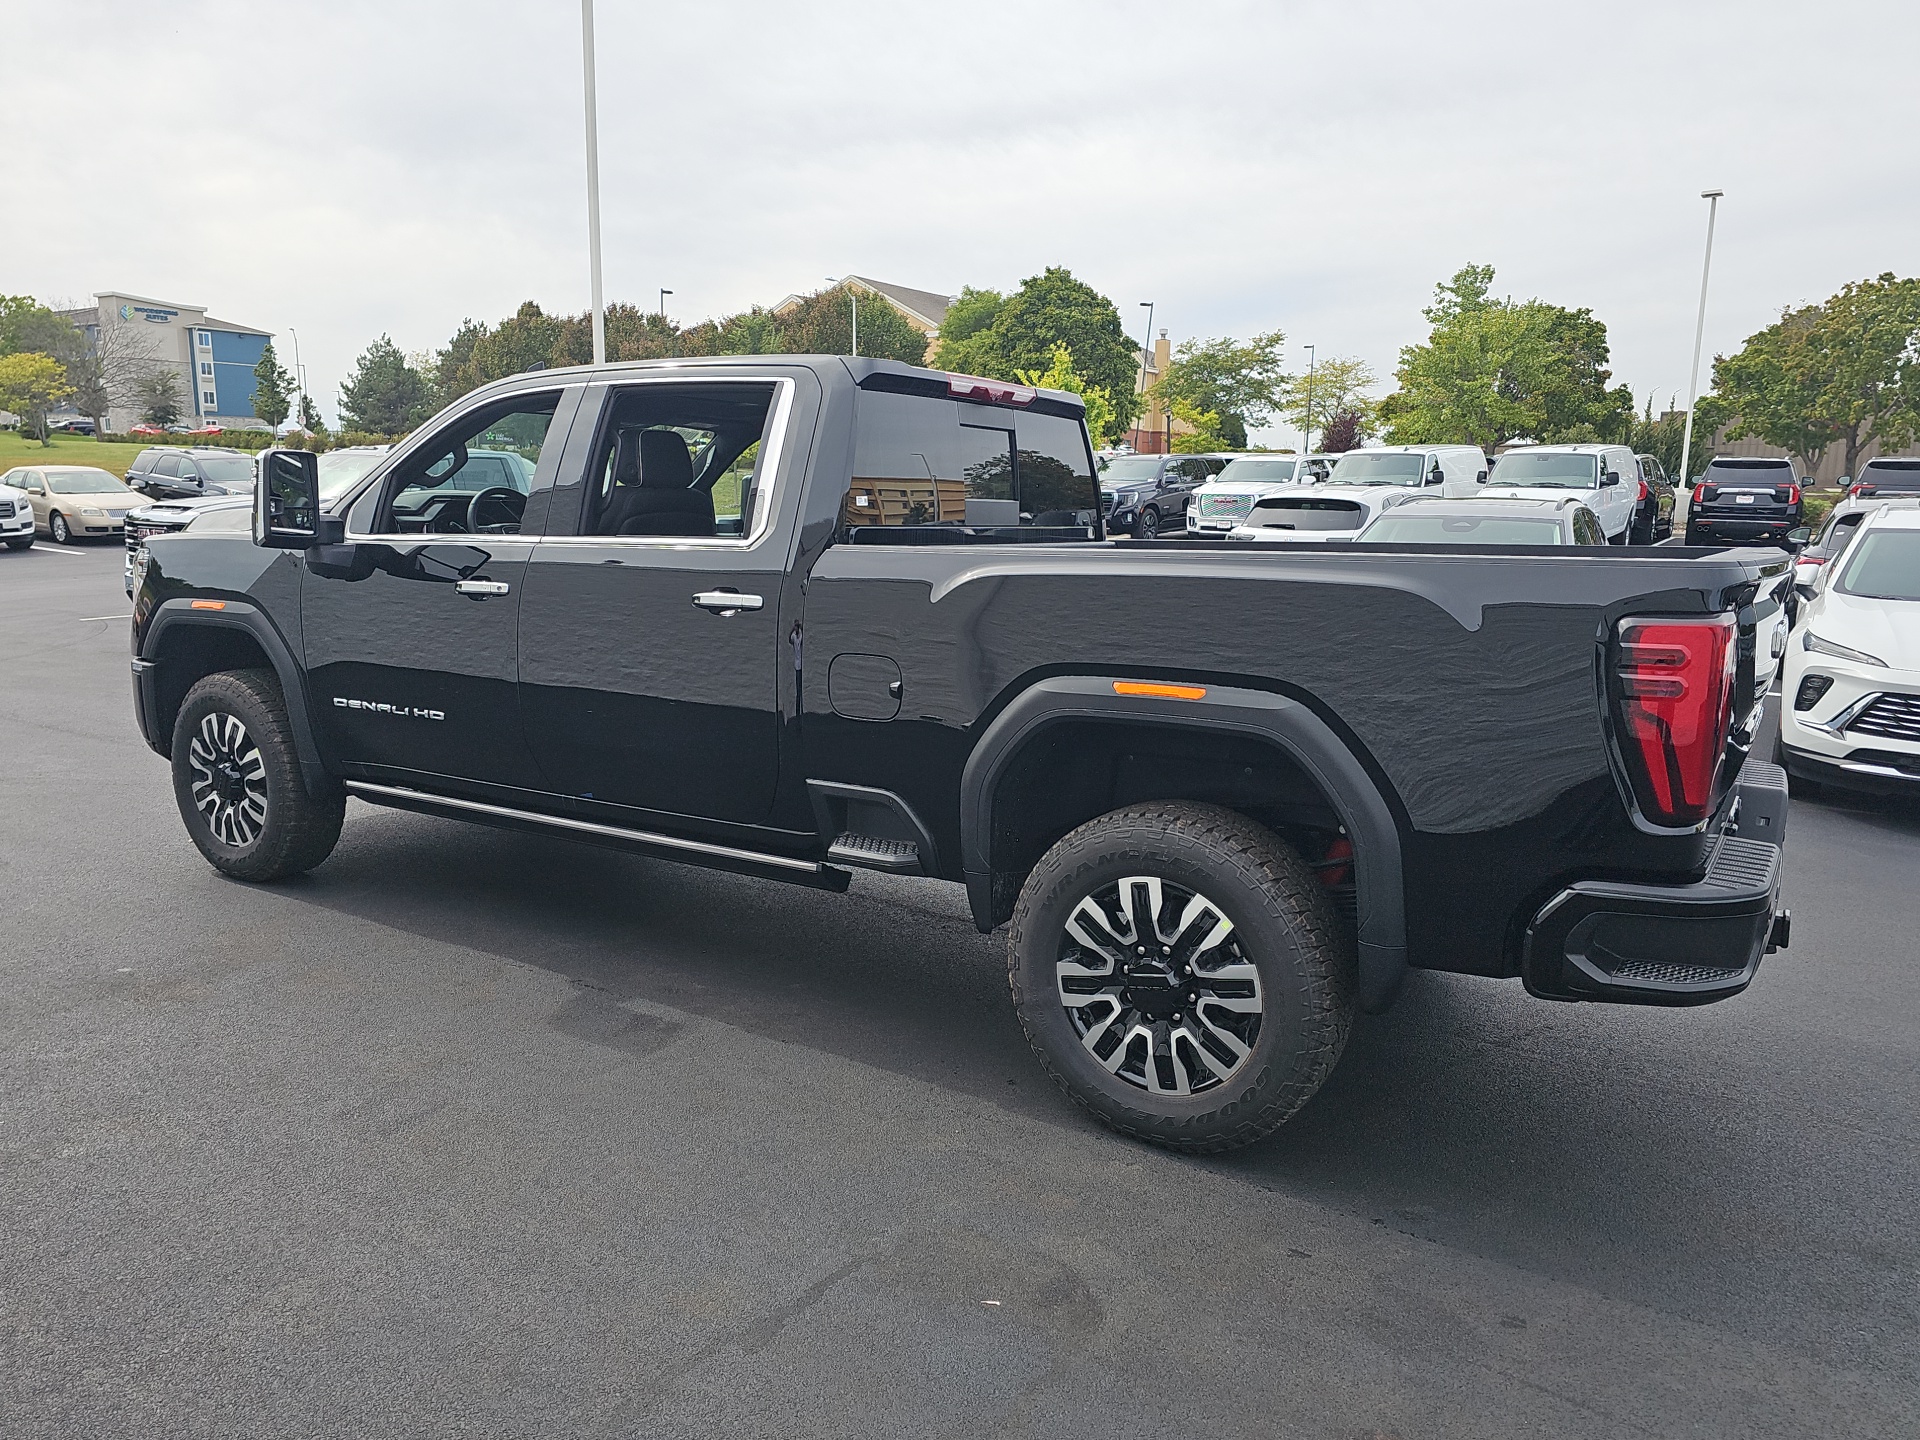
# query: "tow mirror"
286,503
1436,476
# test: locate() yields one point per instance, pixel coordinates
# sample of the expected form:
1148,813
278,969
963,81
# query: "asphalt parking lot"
469,1133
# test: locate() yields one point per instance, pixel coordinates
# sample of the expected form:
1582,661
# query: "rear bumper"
1641,944
1873,772
1748,529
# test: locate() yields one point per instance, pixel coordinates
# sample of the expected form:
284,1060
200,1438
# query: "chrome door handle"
480,589
727,602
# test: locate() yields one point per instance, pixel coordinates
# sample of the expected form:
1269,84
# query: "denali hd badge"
404,712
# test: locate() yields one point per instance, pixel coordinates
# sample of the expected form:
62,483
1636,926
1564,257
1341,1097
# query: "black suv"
1742,501
1653,517
1887,477
1145,494
168,473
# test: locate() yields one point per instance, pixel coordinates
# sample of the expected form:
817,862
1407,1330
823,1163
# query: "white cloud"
349,169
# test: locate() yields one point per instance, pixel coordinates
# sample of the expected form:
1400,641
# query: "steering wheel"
508,506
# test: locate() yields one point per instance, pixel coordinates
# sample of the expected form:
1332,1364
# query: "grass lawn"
17,449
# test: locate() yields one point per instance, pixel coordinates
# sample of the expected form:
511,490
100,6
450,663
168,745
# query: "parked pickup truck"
798,616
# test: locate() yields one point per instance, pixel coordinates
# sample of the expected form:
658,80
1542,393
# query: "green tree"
1060,375
157,393
31,384
1242,385
1843,372
966,333
1334,387
28,327
1001,337
448,363
528,338
822,324
310,416
1496,370
384,394
1205,433
272,390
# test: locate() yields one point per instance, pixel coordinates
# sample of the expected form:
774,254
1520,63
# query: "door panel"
633,695
406,671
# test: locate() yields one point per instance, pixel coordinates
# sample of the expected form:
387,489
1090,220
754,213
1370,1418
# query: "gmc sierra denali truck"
796,616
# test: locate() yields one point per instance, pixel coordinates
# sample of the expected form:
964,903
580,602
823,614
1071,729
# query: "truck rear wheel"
236,779
1181,975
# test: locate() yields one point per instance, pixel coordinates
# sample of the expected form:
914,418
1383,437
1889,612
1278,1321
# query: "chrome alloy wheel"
1156,985
229,779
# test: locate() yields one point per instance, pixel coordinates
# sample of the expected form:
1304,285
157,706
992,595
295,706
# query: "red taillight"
993,392
1806,559
1699,494
1643,490
1674,698
1786,494
1863,490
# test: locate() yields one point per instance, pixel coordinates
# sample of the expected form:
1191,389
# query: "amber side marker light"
207,605
1163,692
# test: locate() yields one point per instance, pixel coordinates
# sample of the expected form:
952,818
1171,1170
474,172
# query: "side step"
872,852
640,842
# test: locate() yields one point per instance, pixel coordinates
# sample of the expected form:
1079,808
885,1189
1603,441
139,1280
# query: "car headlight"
94,511
1819,646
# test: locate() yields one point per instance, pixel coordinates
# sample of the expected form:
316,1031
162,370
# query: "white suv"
1605,478
1226,500
1850,698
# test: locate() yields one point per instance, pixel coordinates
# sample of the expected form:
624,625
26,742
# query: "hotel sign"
150,313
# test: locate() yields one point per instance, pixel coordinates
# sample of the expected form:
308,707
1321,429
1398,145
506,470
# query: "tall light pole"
663,303
1712,197
1306,420
300,377
593,183
1146,346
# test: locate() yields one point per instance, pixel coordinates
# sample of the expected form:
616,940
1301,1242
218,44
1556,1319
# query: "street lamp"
1712,197
1306,419
300,377
663,303
1145,347
593,183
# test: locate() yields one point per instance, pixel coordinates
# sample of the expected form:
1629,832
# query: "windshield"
82,482
229,470
339,469
1549,472
1885,566
1363,467
1297,512
1749,472
1261,471
1130,469
1394,529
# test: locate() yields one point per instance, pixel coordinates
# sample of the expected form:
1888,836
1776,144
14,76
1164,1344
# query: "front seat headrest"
665,461
626,457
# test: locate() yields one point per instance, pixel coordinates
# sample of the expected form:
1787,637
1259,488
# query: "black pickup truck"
797,616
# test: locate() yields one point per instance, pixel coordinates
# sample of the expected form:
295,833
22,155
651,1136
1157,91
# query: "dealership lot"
475,1133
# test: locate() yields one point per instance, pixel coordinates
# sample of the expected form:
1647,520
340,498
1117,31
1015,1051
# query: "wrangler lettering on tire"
1180,974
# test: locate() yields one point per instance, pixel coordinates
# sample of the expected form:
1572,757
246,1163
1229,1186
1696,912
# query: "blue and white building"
213,359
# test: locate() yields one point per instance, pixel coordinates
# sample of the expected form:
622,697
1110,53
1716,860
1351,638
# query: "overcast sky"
347,168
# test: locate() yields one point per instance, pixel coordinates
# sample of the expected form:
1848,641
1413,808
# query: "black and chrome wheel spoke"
1155,984
229,780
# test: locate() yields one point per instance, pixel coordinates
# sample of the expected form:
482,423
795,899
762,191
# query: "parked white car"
16,518
1449,471
1605,478
1226,500
1850,711
1317,513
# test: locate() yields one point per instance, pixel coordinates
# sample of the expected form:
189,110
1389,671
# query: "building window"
206,340
206,368
206,398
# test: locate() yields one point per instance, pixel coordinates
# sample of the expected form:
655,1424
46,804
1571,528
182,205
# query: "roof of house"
923,305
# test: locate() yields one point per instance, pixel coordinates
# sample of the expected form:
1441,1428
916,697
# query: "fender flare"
235,615
1379,878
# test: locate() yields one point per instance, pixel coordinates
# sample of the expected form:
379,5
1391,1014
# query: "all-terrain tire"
1281,922
240,790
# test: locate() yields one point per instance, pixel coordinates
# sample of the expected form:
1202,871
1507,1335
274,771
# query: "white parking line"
84,618
50,550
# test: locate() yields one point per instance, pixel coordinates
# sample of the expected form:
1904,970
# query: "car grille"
1897,717
6,509
1226,507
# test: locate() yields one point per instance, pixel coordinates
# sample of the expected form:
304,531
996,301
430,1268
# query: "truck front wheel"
236,779
1181,975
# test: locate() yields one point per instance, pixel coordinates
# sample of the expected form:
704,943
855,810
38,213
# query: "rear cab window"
933,464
